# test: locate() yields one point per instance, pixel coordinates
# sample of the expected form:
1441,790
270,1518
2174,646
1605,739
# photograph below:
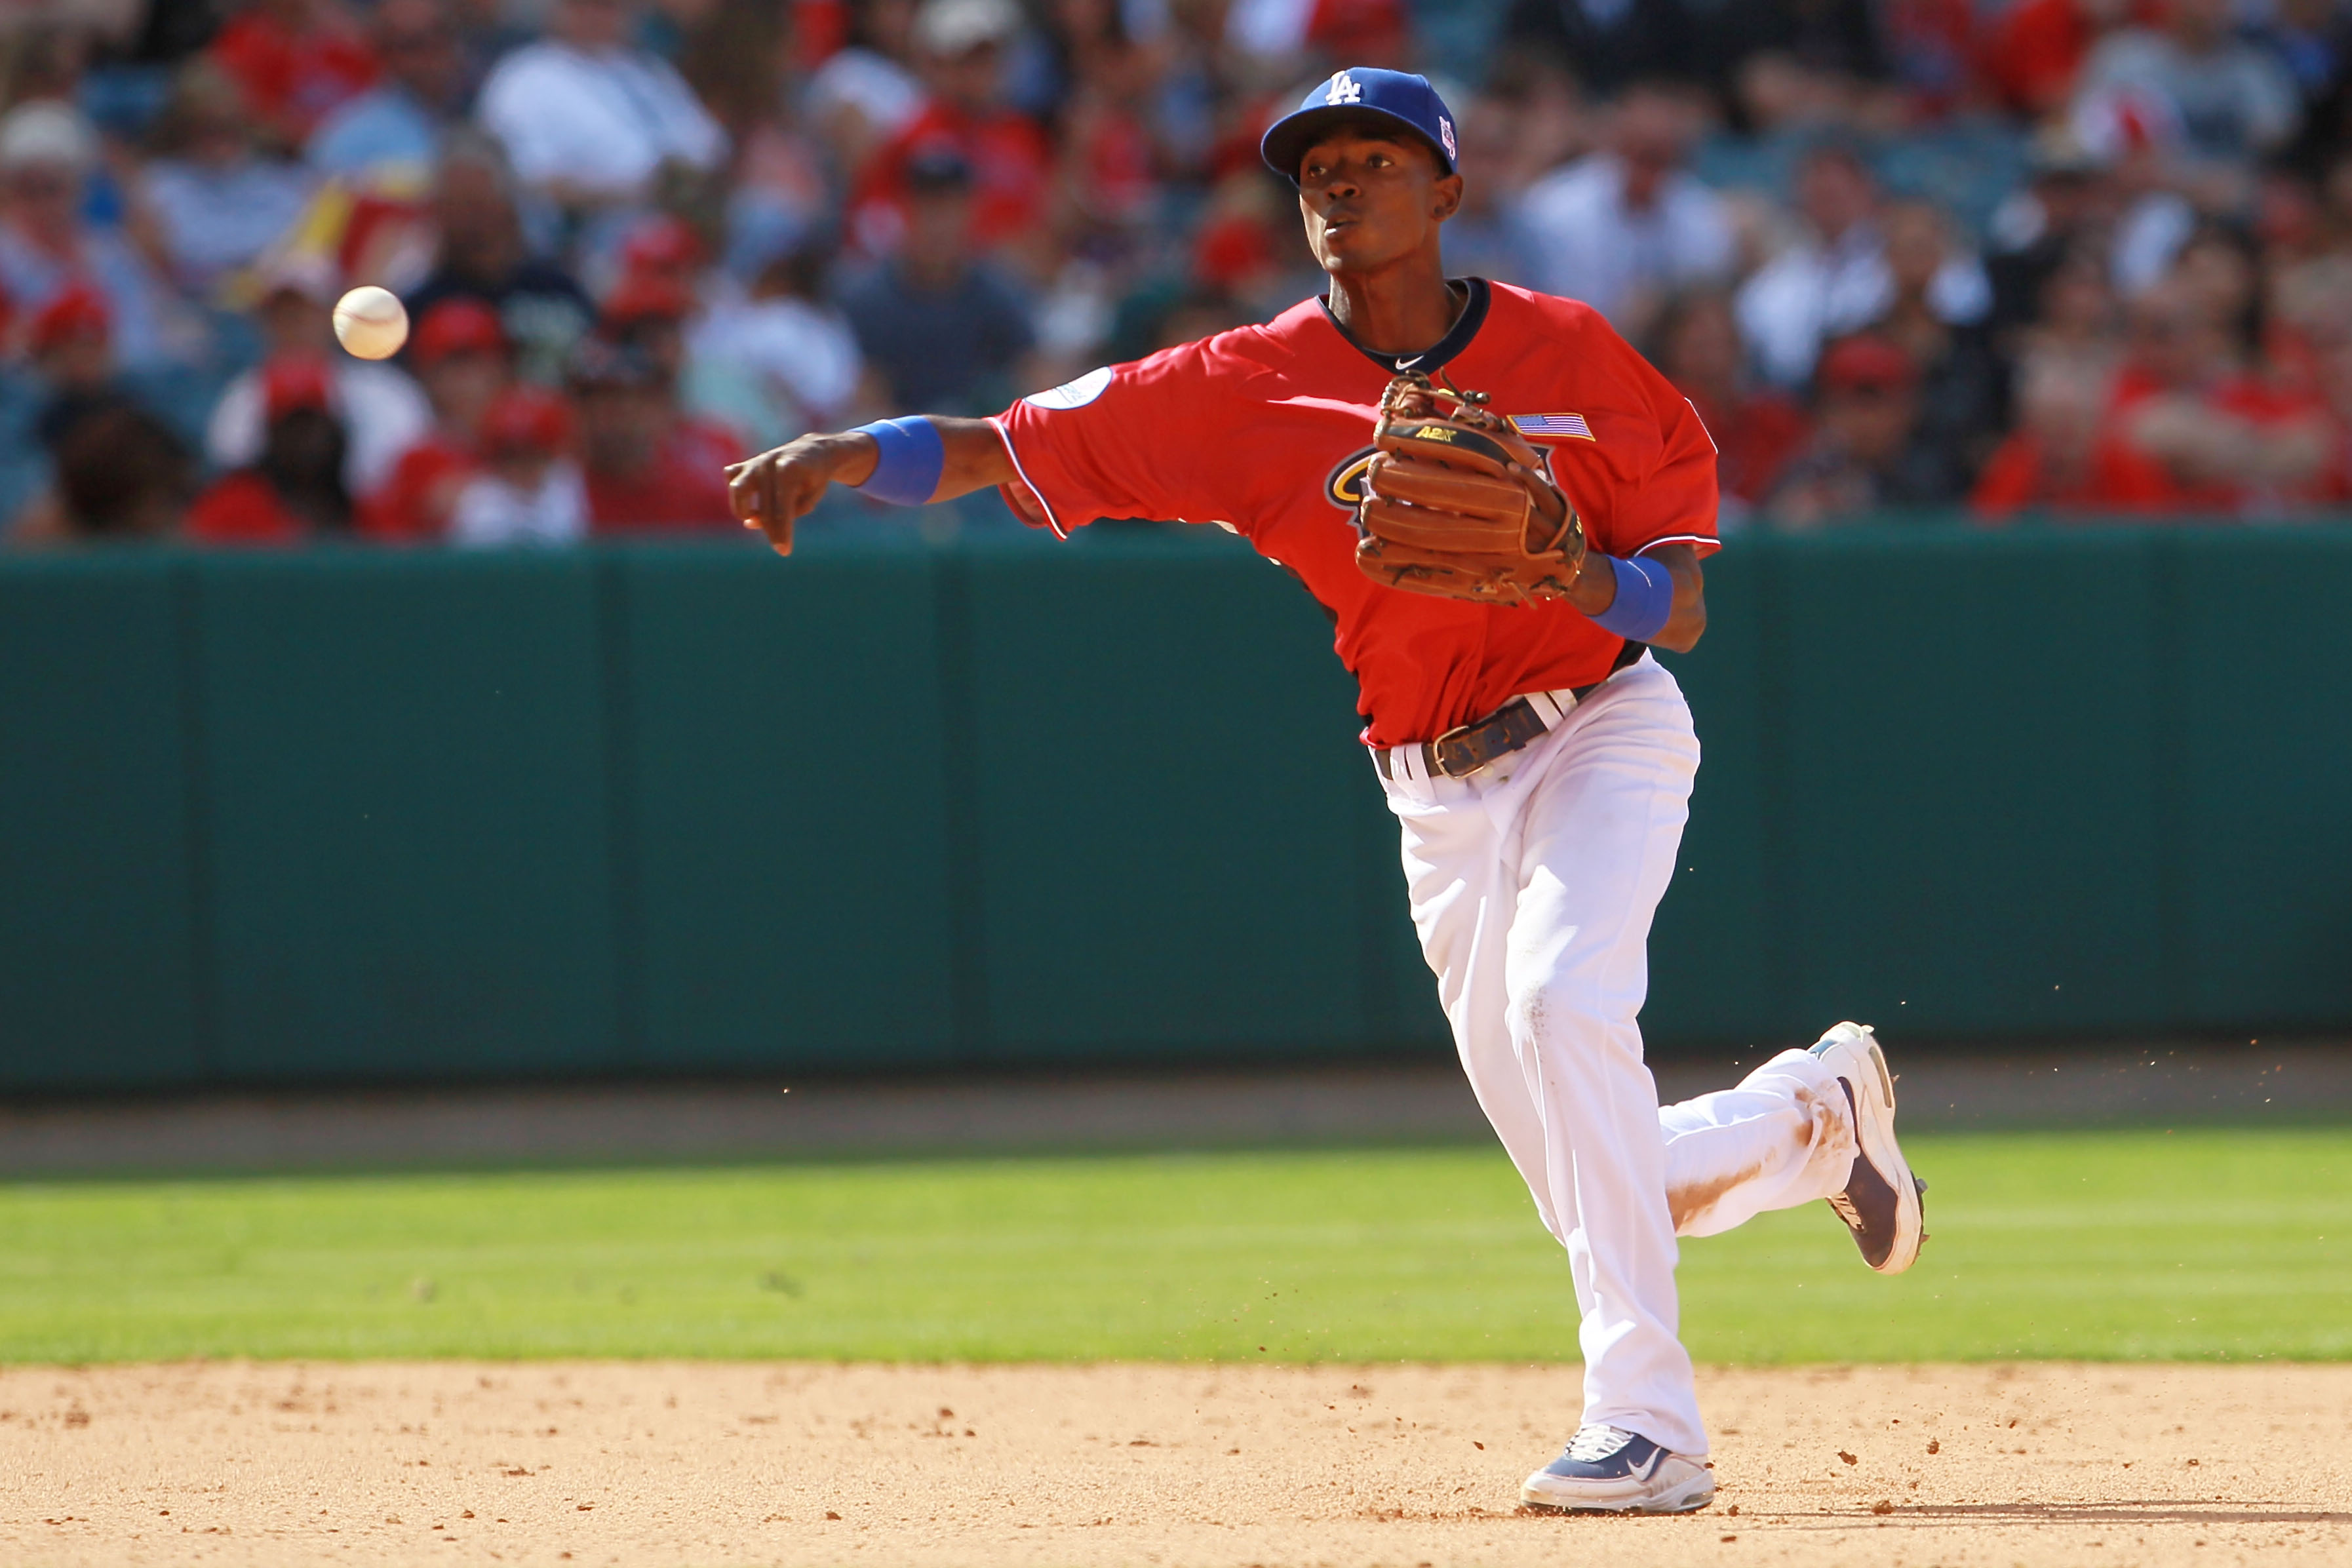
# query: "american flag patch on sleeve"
1569,425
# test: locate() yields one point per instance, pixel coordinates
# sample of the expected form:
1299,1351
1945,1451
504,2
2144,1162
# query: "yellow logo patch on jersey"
1343,487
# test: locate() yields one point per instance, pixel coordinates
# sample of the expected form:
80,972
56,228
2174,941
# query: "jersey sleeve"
1125,440
1674,501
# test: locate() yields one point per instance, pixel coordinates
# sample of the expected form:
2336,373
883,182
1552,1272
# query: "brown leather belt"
1464,751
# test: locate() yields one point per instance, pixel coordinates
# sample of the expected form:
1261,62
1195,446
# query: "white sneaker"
1881,1201
1607,1470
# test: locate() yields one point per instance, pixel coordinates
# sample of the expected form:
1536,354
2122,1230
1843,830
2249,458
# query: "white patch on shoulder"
1072,393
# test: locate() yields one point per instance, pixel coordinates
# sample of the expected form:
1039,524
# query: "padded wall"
369,817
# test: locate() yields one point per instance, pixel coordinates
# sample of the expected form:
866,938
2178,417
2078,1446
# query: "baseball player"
1504,508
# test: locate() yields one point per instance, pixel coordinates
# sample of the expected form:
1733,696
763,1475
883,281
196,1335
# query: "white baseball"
371,322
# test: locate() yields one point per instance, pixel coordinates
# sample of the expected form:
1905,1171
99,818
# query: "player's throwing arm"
909,461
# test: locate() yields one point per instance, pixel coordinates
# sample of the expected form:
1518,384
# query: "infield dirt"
963,1467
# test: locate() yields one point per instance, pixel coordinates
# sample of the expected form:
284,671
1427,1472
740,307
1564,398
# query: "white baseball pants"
1533,882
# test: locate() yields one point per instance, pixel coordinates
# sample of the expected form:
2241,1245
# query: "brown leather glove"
1458,504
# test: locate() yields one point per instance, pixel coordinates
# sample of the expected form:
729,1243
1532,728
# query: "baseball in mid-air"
371,322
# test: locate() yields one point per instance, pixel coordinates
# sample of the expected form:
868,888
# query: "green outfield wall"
361,816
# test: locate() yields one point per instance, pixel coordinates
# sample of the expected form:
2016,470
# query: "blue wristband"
1645,598
912,460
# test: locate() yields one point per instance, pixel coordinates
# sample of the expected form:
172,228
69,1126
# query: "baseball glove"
1457,503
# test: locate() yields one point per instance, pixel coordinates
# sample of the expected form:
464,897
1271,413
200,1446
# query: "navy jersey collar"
1456,339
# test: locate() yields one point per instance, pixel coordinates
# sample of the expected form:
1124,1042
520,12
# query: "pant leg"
1782,1138
1461,901
1601,830
1533,884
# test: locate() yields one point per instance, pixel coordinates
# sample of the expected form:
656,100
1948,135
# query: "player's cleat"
1881,1201
1607,1470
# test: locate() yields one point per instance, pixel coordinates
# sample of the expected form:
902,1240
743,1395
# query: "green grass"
2195,1245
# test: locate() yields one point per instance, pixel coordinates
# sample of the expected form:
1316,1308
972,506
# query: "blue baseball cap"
1360,92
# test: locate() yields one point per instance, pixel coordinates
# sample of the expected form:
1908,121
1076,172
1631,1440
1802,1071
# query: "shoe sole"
1875,1132
1688,1498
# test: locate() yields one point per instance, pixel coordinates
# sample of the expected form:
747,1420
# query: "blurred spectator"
482,257
1528,121
392,131
648,313
961,46
295,61
1623,227
2189,81
647,316
589,120
648,466
780,194
1109,163
941,331
218,201
2191,426
2047,461
378,410
2220,272
459,354
1247,244
1865,453
1963,402
1835,280
779,361
2065,209
293,489
1610,44
115,470
528,490
2077,321
47,245
2311,320
1485,236
866,93
1756,429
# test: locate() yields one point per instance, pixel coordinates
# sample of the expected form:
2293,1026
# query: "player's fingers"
746,490
780,519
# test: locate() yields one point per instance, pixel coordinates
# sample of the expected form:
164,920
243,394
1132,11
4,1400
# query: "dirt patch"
660,1463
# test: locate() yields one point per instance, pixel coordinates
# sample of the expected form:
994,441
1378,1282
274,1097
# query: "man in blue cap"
1537,760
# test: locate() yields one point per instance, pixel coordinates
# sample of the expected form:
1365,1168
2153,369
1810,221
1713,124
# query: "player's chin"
1351,253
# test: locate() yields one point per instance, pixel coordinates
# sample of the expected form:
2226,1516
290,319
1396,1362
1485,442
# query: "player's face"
1371,200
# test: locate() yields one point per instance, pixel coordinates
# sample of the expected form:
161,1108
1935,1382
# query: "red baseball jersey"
1266,430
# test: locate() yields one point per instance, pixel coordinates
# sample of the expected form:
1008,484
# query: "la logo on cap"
1344,89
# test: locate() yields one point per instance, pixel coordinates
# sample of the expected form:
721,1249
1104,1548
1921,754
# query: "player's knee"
1577,992
1559,1007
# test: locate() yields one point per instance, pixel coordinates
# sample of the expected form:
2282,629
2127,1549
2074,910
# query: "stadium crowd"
2022,256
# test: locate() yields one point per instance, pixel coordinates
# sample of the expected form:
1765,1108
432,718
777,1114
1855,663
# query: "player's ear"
1445,197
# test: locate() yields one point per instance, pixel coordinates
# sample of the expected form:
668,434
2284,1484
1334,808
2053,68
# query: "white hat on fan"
951,27
46,134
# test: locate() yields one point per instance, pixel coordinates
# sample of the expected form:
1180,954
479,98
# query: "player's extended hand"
775,489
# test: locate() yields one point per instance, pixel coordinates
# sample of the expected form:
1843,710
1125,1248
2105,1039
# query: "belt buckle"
1442,750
